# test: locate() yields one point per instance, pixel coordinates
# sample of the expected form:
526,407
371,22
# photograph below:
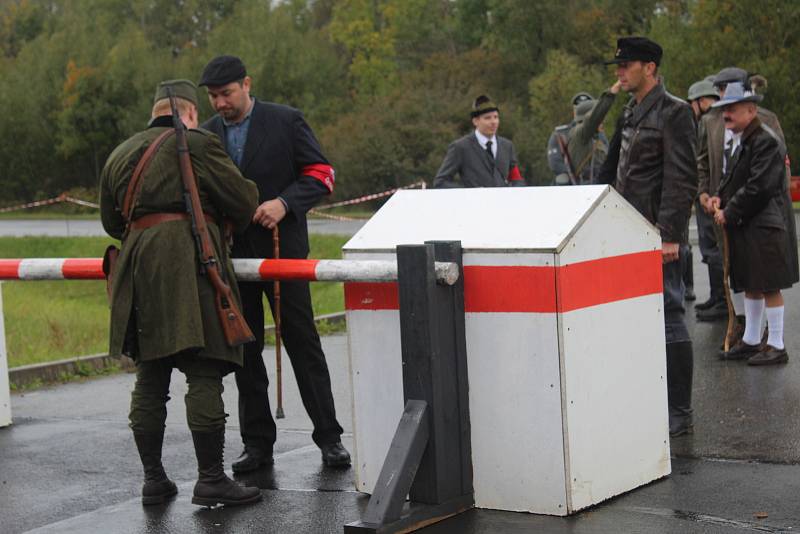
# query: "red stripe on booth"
594,282
9,269
532,289
504,289
83,269
371,296
288,269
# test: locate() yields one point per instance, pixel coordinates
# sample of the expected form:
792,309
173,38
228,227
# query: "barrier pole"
5,393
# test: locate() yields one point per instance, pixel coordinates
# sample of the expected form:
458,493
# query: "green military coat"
160,303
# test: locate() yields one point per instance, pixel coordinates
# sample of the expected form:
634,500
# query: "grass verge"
52,320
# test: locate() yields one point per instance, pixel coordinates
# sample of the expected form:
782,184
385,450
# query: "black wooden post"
430,456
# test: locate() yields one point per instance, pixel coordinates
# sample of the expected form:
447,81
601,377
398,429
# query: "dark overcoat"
283,157
159,298
762,240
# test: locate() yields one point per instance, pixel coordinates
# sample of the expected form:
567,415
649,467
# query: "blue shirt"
236,136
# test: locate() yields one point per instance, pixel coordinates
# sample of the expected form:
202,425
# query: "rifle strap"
587,158
135,185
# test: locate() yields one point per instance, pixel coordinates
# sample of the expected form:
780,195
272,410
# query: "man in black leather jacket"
657,174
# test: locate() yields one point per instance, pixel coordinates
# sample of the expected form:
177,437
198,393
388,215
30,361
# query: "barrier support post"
430,457
5,394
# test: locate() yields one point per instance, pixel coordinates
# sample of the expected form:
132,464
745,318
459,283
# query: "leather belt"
152,219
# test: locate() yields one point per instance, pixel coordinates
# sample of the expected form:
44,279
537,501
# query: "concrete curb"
57,371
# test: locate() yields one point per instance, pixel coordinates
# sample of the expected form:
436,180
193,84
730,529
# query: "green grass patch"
52,320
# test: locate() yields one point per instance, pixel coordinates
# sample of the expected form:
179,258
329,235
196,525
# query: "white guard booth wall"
565,341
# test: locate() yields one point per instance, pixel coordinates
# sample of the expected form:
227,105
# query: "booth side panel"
615,385
515,412
377,389
613,228
612,327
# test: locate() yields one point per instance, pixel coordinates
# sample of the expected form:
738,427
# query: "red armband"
513,174
323,173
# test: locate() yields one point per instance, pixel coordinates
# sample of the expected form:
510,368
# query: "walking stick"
726,269
276,313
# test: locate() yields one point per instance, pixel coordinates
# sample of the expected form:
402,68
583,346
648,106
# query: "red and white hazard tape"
316,213
49,202
373,196
246,270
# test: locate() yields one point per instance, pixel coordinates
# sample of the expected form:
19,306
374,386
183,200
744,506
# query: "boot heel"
204,501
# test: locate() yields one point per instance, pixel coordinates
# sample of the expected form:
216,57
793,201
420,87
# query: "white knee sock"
738,303
753,311
775,325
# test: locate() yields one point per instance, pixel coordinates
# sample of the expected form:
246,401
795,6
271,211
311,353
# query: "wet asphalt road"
68,463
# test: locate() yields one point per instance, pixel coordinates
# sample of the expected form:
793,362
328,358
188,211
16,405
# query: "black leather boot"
157,487
680,370
717,293
213,485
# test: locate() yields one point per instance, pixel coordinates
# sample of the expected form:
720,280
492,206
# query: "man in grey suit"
481,158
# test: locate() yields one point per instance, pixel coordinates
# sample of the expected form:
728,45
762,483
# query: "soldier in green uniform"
162,307
586,149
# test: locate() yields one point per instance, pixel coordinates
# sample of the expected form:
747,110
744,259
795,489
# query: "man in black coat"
751,205
274,146
657,174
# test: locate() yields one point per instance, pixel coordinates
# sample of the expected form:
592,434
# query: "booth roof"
489,219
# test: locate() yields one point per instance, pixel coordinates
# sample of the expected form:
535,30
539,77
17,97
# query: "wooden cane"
276,312
726,269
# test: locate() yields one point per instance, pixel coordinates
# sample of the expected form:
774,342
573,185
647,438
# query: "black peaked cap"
636,49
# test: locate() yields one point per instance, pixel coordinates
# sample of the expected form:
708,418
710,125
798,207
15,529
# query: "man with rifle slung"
174,300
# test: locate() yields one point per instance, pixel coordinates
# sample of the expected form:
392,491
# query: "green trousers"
205,411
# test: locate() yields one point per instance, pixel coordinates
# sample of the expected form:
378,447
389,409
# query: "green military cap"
580,97
185,89
583,109
701,89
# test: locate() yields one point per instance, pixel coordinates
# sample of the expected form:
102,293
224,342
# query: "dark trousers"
205,411
674,324
706,238
300,337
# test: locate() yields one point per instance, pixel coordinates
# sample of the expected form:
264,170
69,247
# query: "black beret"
636,49
223,70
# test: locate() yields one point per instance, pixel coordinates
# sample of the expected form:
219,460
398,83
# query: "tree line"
386,84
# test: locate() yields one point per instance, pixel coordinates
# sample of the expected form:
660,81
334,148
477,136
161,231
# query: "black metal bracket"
430,457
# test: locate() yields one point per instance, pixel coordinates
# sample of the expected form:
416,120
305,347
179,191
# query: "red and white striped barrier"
246,270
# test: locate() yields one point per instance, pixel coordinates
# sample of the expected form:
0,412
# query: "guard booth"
565,341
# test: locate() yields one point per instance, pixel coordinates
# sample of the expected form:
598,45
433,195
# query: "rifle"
234,326
567,160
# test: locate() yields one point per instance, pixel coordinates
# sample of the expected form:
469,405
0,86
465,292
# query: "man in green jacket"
162,308
583,144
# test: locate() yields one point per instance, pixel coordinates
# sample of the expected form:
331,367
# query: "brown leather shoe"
740,351
769,356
